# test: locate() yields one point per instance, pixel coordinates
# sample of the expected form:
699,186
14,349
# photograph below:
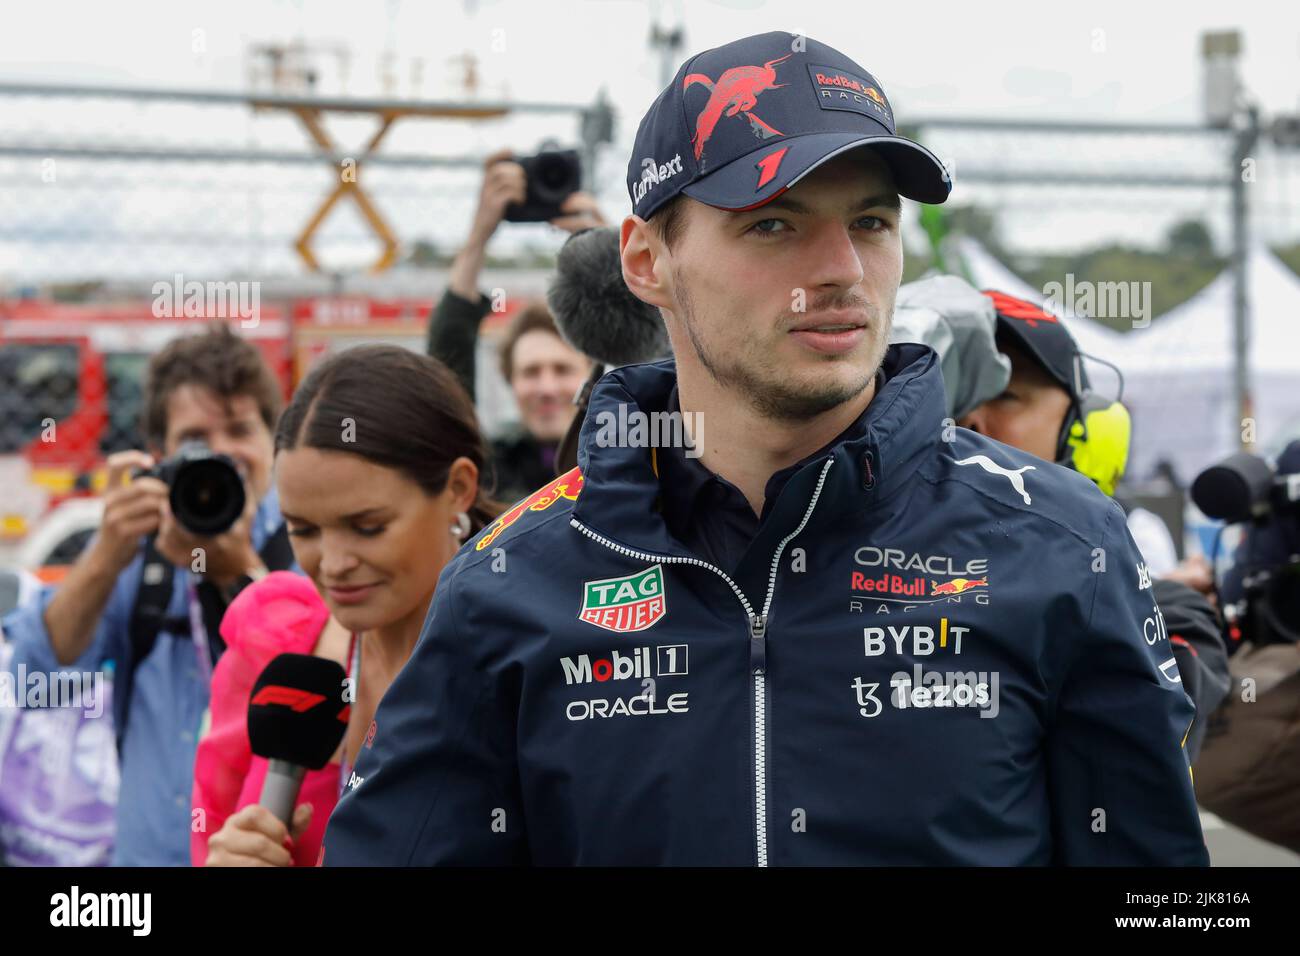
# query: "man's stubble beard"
761,386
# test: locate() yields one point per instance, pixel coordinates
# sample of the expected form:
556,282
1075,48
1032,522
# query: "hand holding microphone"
255,837
296,720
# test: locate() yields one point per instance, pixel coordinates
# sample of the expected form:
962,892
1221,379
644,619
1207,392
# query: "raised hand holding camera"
132,508
221,558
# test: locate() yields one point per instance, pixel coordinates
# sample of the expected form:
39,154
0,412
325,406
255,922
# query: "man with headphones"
1049,409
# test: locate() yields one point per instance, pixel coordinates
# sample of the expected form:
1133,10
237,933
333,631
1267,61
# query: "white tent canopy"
1179,372
1198,335
987,272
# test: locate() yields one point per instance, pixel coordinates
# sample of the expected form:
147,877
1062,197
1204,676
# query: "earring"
461,528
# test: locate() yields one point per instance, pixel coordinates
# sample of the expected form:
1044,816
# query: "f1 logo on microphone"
294,698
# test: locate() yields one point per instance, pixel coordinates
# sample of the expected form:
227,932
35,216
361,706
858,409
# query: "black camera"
1245,487
1261,592
206,491
552,178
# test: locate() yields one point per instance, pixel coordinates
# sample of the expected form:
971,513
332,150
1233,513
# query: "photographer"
147,595
1249,771
544,372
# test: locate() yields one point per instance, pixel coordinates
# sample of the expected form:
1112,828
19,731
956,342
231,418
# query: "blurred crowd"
243,530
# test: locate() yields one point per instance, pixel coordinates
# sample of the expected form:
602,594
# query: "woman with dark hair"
378,458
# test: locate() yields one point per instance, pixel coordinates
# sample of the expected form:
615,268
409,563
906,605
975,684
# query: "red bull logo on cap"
839,90
735,93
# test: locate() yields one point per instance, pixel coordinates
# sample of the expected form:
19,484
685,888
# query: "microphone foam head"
594,309
296,712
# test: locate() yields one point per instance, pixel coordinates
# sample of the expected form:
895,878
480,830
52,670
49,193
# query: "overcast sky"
1096,60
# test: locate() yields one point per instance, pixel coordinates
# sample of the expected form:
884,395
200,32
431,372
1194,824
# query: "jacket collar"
874,460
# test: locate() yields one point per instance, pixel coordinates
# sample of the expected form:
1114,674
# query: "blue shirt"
709,514
169,699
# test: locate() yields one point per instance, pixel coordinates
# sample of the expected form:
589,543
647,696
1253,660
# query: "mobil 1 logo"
642,665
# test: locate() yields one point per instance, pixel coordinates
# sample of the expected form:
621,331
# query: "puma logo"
1016,477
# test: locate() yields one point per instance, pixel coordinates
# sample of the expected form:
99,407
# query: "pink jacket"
282,613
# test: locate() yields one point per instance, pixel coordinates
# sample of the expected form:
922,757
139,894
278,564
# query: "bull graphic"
735,92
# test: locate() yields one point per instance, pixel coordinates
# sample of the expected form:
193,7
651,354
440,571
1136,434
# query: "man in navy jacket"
784,611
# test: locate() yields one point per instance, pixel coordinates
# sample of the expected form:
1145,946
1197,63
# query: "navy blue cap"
742,123
1043,337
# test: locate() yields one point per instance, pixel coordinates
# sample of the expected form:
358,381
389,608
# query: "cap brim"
918,174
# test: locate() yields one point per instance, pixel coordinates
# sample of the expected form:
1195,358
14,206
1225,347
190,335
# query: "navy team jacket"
937,650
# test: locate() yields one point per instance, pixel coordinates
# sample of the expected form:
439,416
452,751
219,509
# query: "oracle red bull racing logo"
630,603
895,577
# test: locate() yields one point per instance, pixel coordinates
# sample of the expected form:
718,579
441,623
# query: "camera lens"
207,496
554,178
1234,489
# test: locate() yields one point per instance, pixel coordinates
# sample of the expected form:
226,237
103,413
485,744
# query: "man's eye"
755,228
301,532
879,224
371,531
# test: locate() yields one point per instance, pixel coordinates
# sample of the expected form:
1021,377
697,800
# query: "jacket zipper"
757,646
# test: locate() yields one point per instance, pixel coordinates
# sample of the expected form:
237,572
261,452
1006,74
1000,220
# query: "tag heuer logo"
632,603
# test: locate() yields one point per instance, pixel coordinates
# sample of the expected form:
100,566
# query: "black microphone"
296,719
599,316
594,309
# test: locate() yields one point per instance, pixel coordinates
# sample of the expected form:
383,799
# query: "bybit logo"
919,640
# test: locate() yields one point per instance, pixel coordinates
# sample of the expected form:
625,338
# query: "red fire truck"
71,385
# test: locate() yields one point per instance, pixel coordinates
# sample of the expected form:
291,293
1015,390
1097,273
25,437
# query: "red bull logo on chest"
631,603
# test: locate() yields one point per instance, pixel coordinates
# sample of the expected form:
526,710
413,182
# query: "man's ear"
646,267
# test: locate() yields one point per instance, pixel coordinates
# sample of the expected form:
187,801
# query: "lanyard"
199,633
354,671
